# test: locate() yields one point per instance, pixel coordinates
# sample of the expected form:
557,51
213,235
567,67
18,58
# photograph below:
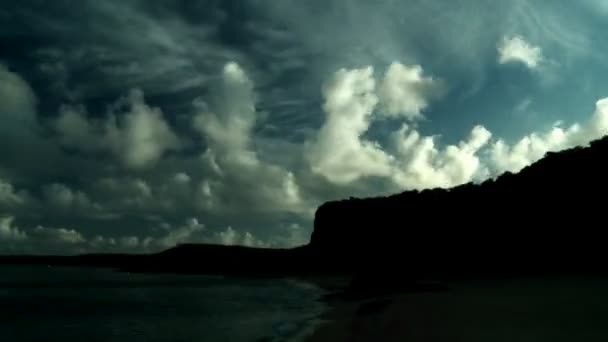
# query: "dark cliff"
550,217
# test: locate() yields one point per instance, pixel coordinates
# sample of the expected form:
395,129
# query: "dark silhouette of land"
548,219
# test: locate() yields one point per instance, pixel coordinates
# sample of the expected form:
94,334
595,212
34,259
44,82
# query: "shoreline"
540,309
327,286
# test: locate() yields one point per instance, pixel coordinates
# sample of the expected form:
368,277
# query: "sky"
132,125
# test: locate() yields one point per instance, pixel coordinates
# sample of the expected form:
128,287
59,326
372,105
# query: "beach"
507,310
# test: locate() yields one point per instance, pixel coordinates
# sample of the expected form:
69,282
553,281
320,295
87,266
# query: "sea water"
78,304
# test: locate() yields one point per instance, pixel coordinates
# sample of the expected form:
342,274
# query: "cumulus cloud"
183,234
20,143
123,195
40,239
531,148
422,164
343,155
69,241
139,137
228,125
182,178
60,196
9,232
339,152
56,236
17,100
291,235
517,50
9,197
227,121
406,92
190,232
231,237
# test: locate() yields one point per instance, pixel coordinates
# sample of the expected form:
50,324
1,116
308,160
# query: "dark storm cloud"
94,51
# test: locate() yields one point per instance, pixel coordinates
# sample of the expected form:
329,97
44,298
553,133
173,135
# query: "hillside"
550,217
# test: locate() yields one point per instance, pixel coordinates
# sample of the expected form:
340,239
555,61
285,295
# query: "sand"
523,310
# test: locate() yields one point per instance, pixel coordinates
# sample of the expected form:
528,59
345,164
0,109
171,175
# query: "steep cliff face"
550,215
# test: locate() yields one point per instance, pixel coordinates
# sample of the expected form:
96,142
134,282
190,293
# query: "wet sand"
520,310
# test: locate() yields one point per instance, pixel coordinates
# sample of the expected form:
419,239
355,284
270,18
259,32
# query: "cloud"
39,240
228,125
124,195
8,232
43,239
182,178
8,195
17,100
406,92
234,179
339,151
517,50
59,236
231,163
183,234
341,154
138,137
289,236
421,164
60,196
231,237
531,148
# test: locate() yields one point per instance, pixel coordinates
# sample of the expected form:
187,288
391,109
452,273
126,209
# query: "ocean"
50,304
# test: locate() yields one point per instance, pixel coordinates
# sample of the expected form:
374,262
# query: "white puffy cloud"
102,243
517,50
183,234
146,136
231,237
126,194
9,232
139,137
131,242
531,148
342,154
232,164
17,100
189,232
228,125
406,92
421,164
9,197
339,152
182,178
68,241
60,196
39,240
56,236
